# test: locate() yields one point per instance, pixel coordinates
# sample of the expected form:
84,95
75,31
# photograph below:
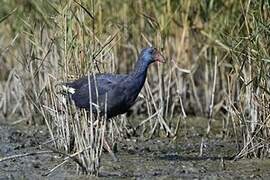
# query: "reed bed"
217,66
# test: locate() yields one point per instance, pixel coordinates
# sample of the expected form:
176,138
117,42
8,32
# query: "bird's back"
105,89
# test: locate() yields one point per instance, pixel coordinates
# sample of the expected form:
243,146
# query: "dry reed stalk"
76,130
211,105
160,120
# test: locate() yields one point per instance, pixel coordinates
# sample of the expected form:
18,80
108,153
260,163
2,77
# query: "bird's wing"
106,83
106,78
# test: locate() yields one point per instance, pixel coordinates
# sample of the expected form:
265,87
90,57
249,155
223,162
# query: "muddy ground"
158,158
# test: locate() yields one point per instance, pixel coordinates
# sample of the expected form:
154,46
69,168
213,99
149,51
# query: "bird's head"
150,55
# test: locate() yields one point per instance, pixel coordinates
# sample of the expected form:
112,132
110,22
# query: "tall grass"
217,63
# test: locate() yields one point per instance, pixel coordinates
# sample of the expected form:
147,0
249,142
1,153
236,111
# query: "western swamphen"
112,94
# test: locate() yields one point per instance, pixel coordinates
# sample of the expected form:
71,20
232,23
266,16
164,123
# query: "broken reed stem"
159,120
211,105
16,156
179,119
201,147
161,91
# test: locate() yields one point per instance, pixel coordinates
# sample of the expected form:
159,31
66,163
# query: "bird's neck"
140,69
138,75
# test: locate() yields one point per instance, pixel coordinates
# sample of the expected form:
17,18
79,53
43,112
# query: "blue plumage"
117,91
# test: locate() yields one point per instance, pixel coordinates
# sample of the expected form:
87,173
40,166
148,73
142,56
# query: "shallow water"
184,157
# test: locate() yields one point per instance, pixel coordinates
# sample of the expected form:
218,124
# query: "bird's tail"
65,88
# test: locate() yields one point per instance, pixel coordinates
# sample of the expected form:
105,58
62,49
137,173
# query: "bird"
112,94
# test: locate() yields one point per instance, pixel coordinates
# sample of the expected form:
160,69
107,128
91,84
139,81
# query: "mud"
185,157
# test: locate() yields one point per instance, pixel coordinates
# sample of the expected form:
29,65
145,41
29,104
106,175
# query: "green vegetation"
217,60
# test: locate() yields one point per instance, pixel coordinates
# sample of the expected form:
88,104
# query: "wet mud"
190,156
